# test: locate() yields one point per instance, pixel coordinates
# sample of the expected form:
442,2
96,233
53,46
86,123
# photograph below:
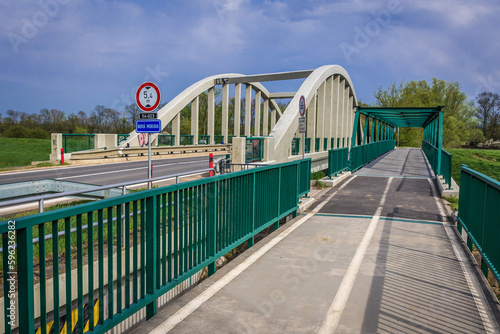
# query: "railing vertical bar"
127,254
190,225
79,262
55,271
176,234
164,238
181,232
100,257
110,262
135,257
67,259
143,247
194,209
185,225
201,237
43,278
170,232
119,277
158,241
90,272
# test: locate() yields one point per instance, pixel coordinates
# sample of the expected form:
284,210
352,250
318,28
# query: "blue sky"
73,55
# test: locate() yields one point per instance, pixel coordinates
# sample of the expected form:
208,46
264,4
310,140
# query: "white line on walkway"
339,302
478,297
194,304
126,170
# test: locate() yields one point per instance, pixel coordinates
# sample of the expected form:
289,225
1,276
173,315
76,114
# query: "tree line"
465,122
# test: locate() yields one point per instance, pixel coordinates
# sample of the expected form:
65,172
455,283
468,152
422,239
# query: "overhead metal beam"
283,95
264,77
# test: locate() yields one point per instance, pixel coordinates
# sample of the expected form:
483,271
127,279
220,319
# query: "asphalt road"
105,174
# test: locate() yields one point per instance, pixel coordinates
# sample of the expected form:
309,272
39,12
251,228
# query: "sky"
72,55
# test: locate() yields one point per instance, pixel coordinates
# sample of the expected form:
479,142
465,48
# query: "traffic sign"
302,125
148,96
302,106
148,126
148,115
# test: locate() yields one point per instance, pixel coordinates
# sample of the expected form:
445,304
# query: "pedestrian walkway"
375,254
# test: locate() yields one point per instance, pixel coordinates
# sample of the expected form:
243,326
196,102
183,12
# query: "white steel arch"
174,107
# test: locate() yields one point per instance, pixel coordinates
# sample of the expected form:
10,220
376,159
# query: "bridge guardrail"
363,154
338,160
478,215
72,142
446,167
175,231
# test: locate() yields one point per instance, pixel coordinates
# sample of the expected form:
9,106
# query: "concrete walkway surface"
375,254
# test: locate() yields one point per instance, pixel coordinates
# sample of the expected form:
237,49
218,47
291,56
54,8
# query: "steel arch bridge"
330,100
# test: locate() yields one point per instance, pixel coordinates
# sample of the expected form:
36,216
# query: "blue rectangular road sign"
148,126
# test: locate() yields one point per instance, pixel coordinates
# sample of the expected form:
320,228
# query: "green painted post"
355,129
151,251
25,280
250,242
365,131
372,137
212,225
378,130
440,142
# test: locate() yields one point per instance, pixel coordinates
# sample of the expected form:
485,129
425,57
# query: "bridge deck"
373,255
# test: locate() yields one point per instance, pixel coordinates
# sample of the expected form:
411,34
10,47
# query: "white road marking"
194,304
126,170
339,302
38,170
478,297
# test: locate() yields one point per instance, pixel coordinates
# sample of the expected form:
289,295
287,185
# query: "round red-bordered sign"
302,106
148,96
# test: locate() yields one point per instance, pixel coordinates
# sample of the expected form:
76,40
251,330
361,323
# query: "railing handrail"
98,188
492,182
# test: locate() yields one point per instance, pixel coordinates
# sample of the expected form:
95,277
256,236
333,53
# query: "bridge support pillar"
56,142
268,149
238,151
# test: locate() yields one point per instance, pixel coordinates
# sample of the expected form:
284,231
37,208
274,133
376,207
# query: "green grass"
483,161
22,151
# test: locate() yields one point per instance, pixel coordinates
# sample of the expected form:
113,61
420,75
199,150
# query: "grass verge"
483,161
16,152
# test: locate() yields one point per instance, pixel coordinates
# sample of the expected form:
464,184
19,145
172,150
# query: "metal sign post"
148,99
302,124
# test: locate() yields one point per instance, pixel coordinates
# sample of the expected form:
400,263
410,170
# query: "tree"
458,111
488,114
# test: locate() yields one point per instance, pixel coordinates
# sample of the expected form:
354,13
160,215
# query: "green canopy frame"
385,121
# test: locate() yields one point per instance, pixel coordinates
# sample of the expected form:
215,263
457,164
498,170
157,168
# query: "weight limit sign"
148,96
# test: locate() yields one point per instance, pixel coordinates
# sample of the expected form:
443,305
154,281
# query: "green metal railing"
338,160
363,154
254,150
166,140
446,167
325,144
230,139
431,152
295,146
316,144
171,233
73,142
218,139
121,137
478,215
186,140
203,140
